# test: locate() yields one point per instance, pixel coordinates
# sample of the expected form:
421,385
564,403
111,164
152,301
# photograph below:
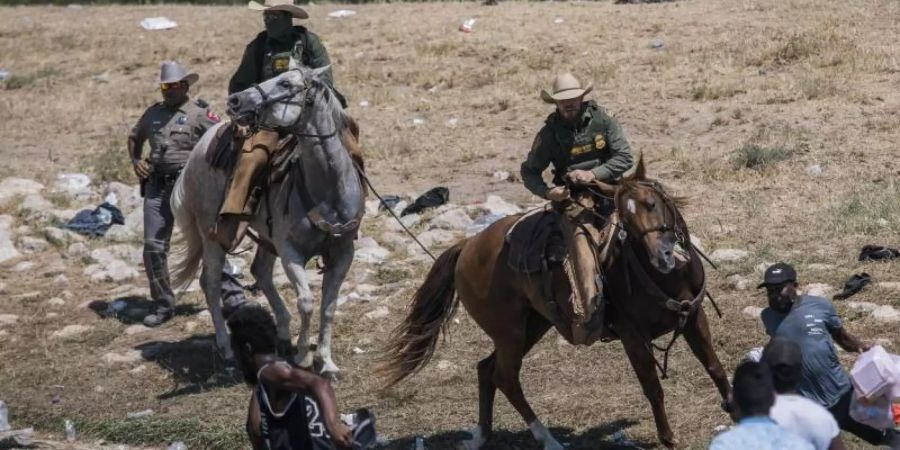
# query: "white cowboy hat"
172,72
565,87
279,5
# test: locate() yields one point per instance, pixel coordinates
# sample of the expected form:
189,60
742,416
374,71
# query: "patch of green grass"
389,275
757,157
111,163
869,212
16,81
706,90
817,87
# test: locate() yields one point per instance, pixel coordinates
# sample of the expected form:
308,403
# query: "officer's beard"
280,28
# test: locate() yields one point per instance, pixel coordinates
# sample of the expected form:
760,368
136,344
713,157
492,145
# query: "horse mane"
627,184
349,128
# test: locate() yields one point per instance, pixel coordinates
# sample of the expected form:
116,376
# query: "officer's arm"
247,72
136,141
533,168
621,159
318,57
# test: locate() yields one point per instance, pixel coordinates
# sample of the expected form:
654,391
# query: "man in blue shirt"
814,325
753,395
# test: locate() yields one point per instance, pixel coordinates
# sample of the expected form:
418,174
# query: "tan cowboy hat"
172,72
565,87
279,5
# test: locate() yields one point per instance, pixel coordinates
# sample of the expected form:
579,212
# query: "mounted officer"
173,126
583,143
266,56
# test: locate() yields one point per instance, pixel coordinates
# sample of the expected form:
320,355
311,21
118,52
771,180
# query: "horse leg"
211,281
509,352
339,260
262,268
696,333
294,267
644,366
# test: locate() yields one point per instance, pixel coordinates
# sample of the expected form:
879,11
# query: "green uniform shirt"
595,142
172,132
265,58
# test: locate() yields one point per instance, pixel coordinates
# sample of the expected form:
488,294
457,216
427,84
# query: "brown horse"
650,295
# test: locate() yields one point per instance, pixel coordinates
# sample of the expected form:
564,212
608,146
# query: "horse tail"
413,342
190,247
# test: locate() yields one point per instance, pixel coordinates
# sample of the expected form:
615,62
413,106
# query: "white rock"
70,331
495,204
819,289
128,196
369,252
864,306
433,238
36,206
204,315
814,170
14,187
409,220
23,266
60,237
136,329
108,254
30,244
892,285
126,357
372,208
752,311
138,370
358,351
8,319
454,219
739,283
445,365
56,301
729,255
7,249
698,243
115,271
132,231
354,297
190,326
500,175
74,185
886,314
77,250
61,282
377,313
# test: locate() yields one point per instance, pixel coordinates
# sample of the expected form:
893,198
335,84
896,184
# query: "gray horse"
315,210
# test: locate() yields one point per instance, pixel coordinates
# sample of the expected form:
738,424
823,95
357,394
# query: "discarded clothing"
853,285
97,222
878,253
389,201
435,197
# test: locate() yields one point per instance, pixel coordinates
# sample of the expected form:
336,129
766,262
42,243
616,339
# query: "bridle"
288,97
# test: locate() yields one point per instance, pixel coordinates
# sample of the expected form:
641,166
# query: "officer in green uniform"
268,55
172,127
580,139
583,143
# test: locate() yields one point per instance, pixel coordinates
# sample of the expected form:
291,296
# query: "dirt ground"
778,118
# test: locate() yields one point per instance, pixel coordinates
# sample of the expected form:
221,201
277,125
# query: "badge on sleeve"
181,120
599,142
212,116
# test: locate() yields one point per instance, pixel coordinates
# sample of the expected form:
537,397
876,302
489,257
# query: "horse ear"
317,72
640,173
292,64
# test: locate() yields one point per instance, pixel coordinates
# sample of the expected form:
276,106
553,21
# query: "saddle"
224,153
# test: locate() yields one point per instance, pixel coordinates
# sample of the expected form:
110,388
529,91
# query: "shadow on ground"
194,363
133,309
601,437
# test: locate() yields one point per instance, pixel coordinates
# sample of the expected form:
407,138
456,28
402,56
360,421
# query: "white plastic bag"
876,373
875,412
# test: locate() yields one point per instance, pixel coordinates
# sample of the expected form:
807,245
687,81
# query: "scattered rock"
752,311
8,319
77,250
190,326
445,365
56,301
500,175
114,271
738,282
76,186
698,243
354,297
126,357
60,237
108,254
372,208
23,266
819,289
886,314
7,249
61,282
30,244
204,315
138,370
132,231
409,221
70,331
137,415
453,219
864,306
496,205
128,197
892,285
728,255
432,238
814,170
13,187
34,205
136,329
27,295
378,313
369,252
358,351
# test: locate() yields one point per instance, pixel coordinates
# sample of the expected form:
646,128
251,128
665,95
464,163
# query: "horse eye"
284,83
651,205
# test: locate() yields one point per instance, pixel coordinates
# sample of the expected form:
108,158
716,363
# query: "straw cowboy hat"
279,5
172,72
565,87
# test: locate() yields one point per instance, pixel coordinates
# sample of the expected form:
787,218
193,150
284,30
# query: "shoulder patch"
212,116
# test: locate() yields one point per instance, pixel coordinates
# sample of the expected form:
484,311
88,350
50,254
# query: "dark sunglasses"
166,86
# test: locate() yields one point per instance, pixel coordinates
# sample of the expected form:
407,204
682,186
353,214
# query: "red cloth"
896,410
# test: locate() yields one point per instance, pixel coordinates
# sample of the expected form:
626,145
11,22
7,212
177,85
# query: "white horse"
315,210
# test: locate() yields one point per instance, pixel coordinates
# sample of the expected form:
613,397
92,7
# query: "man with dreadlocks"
290,408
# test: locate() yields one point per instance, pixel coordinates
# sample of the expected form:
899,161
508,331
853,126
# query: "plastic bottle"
177,445
70,431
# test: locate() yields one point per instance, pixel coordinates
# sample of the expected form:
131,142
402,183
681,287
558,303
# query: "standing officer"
173,127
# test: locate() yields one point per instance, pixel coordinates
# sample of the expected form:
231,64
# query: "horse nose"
234,102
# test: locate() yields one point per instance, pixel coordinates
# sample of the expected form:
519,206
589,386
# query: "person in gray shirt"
814,325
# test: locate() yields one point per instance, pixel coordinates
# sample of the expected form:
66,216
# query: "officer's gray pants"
158,222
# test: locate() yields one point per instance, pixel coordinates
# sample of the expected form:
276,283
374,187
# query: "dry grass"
815,80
